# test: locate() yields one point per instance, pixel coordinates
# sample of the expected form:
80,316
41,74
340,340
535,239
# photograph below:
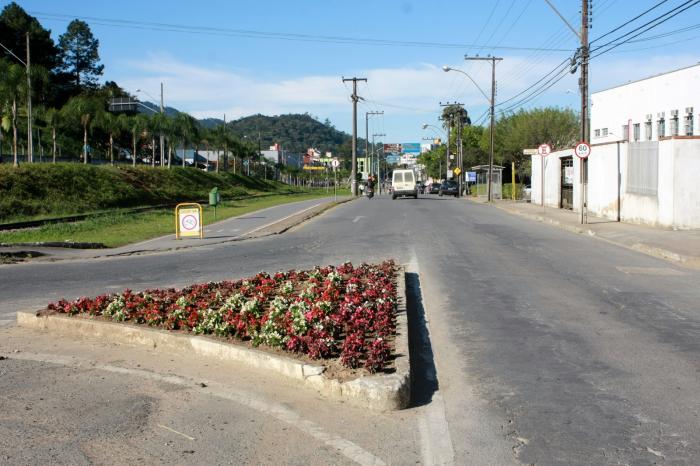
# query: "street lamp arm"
426,126
447,68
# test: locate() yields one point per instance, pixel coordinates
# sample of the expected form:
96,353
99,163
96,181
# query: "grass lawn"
117,229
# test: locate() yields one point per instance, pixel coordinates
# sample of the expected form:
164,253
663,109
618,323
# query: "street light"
491,105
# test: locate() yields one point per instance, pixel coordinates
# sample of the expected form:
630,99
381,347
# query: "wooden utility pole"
585,114
493,61
30,142
355,98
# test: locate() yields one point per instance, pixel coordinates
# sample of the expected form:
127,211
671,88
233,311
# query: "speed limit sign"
582,150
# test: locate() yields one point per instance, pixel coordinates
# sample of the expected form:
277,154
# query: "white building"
649,109
645,155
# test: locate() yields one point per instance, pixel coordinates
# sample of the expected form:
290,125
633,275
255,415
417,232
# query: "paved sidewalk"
256,224
679,246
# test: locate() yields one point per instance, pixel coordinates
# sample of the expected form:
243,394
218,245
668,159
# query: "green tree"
528,129
80,55
186,131
12,89
82,110
52,119
138,125
15,23
113,125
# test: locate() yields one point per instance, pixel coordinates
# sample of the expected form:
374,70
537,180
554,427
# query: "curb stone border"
652,251
379,392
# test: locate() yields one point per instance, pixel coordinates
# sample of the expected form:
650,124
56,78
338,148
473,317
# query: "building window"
605,132
647,130
661,128
636,132
689,124
597,133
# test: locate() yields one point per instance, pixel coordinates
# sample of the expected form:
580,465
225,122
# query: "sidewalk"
269,221
679,246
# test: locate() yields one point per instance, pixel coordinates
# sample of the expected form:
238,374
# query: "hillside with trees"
72,120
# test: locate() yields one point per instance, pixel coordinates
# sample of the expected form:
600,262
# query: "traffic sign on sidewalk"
544,150
582,150
335,163
457,171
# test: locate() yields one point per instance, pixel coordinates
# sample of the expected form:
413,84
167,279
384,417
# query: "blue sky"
211,66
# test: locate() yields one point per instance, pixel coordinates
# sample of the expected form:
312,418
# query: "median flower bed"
343,312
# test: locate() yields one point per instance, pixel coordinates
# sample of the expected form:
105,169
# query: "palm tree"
138,125
83,109
186,130
52,118
112,125
11,89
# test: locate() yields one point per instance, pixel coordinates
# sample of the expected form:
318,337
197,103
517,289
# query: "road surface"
530,345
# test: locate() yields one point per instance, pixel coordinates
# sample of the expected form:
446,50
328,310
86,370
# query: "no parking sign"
188,221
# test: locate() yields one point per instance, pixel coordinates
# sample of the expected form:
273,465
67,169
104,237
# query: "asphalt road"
531,344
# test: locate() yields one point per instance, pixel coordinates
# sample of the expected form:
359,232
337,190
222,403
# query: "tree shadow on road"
424,380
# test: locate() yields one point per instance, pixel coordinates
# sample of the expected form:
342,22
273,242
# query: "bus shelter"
482,180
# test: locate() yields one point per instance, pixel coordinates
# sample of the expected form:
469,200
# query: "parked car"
449,188
434,188
404,183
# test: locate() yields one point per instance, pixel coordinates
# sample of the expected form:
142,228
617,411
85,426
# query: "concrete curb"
653,251
380,392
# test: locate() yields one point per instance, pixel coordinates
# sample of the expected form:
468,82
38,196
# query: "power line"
555,70
676,11
647,29
630,21
208,30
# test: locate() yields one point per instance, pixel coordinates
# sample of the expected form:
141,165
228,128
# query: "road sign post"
544,150
335,163
582,151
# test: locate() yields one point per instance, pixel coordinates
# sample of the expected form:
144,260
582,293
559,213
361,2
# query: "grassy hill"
32,191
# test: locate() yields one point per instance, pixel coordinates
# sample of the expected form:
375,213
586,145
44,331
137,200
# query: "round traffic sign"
335,163
544,150
582,150
189,222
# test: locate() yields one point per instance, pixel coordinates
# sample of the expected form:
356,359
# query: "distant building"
277,155
649,109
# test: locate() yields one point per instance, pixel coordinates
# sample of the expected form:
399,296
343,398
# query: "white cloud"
407,93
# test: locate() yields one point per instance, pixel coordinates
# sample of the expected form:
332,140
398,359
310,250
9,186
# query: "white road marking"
220,231
436,443
659,271
282,413
358,218
284,218
175,432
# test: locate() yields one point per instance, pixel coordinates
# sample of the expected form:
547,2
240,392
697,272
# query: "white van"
403,183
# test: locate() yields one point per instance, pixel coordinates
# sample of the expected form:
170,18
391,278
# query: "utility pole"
367,114
449,129
585,114
583,54
162,138
374,154
30,138
355,98
493,61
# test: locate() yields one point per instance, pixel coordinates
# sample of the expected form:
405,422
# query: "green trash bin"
214,197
